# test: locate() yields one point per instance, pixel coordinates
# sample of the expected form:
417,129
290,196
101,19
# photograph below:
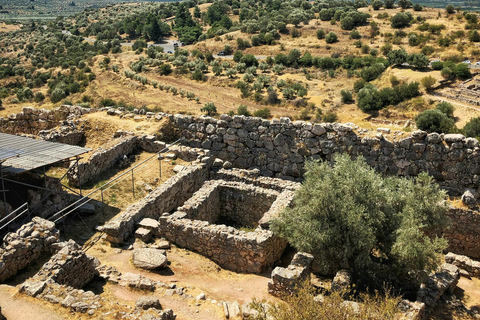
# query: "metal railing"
87,198
15,213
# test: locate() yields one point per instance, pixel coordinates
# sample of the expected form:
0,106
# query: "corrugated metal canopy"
24,154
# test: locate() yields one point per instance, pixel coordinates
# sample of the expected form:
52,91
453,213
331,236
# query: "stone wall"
280,147
443,281
284,280
464,233
240,251
70,266
171,194
31,120
101,160
471,267
26,246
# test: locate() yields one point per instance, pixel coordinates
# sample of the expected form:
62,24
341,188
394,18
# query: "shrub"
39,97
376,4
243,110
434,121
472,128
355,34
462,71
330,117
320,34
446,108
450,9
401,20
346,96
428,82
165,69
344,213
437,65
106,103
331,37
417,7
210,109
57,95
263,113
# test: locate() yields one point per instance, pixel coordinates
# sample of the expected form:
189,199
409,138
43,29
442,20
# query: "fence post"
133,185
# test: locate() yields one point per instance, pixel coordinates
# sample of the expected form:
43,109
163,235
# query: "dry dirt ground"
191,271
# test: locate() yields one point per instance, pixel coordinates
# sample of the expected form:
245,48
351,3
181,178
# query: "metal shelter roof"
21,154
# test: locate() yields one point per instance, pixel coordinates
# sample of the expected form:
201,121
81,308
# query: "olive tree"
349,216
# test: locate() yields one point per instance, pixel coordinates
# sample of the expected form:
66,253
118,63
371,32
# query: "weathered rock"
32,288
342,281
463,262
286,279
148,302
470,197
150,259
143,234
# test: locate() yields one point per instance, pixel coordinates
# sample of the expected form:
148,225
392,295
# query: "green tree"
472,128
446,108
404,4
434,121
243,110
331,37
348,216
320,34
210,109
346,96
377,4
450,9
428,82
401,20
462,71
389,4
263,113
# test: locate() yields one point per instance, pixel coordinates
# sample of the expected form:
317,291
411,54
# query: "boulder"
469,197
148,258
148,302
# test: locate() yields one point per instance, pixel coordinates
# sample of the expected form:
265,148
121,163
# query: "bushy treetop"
349,216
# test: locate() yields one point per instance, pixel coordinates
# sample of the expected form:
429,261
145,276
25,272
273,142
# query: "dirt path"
24,308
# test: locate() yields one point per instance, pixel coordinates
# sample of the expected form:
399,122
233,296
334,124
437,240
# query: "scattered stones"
201,296
148,258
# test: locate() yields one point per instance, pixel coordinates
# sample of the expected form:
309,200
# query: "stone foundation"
207,222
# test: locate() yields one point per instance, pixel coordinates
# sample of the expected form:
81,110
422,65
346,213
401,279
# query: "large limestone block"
150,259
